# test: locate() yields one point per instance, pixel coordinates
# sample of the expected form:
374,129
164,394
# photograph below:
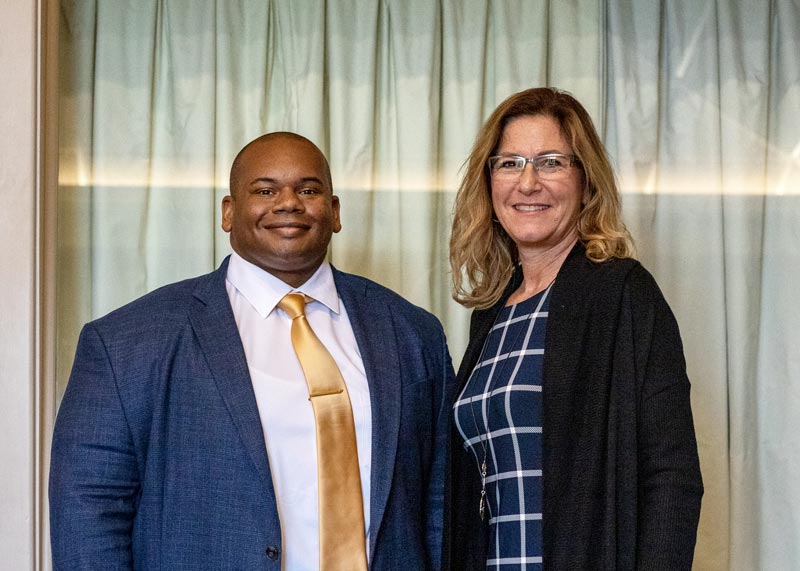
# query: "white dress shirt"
287,417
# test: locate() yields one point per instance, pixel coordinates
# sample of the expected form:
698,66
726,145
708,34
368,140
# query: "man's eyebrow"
266,179
263,179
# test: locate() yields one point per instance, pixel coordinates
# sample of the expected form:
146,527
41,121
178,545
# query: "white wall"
25,401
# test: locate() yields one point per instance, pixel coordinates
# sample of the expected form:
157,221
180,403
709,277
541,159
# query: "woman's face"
539,211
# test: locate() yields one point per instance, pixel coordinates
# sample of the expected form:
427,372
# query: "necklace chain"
483,505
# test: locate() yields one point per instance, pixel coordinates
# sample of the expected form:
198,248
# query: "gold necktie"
342,542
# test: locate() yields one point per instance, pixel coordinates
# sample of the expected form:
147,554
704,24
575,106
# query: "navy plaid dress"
499,416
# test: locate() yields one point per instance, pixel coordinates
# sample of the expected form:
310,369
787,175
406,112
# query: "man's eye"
265,191
309,191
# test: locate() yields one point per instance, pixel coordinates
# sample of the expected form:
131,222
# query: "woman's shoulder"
626,272
627,281
583,283
580,273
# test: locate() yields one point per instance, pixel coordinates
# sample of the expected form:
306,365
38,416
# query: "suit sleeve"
94,481
670,485
437,482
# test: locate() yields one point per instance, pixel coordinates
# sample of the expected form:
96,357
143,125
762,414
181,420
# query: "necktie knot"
294,304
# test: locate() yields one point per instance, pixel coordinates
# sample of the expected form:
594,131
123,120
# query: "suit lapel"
375,334
213,323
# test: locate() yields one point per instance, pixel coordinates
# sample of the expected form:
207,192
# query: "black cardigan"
621,476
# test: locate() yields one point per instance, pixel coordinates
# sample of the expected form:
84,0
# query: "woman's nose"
529,178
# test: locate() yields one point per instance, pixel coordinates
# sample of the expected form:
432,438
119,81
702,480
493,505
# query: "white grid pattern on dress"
497,363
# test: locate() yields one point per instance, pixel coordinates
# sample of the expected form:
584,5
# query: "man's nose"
287,201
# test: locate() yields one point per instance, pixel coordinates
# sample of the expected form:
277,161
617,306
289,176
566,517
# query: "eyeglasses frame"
573,159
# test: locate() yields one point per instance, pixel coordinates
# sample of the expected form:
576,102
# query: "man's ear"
227,213
337,222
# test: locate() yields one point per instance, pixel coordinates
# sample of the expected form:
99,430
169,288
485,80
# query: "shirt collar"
264,291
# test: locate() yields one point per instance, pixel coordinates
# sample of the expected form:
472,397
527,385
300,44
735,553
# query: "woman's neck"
539,270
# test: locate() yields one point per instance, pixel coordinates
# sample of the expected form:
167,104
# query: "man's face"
282,212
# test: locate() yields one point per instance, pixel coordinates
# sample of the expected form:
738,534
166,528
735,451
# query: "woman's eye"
552,163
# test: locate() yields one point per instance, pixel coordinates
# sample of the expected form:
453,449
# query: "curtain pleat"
697,103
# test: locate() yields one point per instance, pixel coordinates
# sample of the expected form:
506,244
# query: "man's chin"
287,263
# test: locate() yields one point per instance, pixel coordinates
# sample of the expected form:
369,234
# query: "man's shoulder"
166,302
373,292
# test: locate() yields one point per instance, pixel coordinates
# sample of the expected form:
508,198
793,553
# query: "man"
191,435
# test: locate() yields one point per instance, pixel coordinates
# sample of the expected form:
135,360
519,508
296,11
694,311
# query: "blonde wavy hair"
482,254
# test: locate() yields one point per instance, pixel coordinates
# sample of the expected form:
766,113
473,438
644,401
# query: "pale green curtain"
698,103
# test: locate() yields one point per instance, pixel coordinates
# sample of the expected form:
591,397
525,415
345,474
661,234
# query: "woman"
574,442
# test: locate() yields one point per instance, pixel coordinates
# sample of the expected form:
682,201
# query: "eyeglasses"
510,167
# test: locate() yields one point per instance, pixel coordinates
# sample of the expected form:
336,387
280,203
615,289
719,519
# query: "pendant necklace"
483,504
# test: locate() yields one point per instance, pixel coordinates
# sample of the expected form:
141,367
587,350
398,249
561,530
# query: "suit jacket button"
273,552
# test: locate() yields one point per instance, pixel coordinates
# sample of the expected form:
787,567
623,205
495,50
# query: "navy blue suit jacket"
159,460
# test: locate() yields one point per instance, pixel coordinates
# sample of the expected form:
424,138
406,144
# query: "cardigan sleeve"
669,481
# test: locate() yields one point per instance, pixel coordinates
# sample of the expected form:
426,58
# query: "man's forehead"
283,145
280,155
285,152
284,161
